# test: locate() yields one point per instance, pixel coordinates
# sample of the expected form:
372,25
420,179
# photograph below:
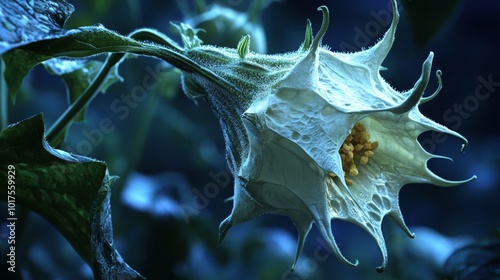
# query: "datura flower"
317,135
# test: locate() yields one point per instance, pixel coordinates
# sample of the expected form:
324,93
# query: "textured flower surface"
318,135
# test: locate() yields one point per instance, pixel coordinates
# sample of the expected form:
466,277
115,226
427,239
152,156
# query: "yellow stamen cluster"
356,149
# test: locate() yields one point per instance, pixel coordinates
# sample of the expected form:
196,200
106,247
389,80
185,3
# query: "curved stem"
187,65
170,52
92,90
149,34
166,50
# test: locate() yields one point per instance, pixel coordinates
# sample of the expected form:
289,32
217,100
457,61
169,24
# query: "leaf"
70,191
24,22
17,65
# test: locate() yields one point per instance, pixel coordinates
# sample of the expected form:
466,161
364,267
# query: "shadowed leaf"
70,191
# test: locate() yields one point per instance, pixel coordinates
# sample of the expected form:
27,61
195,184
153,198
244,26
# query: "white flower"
330,139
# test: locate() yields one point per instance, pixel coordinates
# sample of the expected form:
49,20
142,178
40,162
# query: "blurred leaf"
70,191
29,21
428,17
480,260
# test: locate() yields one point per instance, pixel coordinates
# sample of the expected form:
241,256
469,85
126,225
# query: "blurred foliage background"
169,151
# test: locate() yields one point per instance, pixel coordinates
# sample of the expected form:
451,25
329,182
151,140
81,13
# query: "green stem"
170,52
84,99
148,34
163,48
92,90
4,98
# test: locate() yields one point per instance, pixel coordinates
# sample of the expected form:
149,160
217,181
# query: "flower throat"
356,149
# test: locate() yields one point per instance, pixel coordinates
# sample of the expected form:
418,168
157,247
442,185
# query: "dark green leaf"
18,63
70,191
